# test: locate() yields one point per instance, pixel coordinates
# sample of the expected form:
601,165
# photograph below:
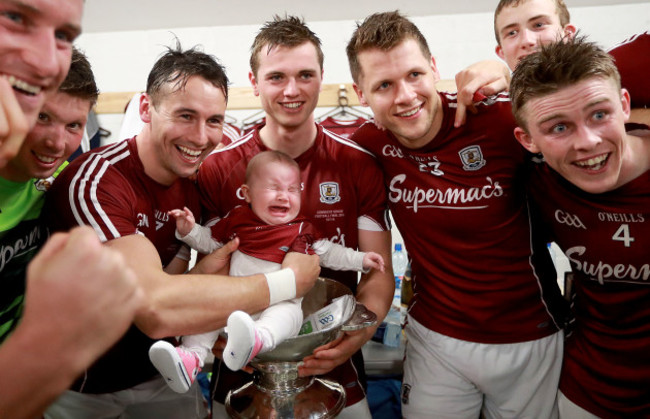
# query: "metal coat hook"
343,96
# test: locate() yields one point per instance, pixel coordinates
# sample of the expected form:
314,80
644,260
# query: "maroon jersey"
108,190
270,242
342,127
341,183
461,208
606,237
230,133
633,62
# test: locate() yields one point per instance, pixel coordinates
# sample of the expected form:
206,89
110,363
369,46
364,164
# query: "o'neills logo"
601,271
21,245
450,198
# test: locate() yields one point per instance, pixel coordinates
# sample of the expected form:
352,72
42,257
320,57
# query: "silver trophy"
276,390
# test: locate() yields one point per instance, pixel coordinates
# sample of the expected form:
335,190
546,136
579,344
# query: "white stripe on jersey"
629,40
346,142
238,142
366,223
81,179
231,132
532,267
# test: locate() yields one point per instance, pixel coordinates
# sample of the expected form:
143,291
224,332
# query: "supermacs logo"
449,198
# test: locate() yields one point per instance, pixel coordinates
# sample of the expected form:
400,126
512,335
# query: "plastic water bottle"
400,263
393,332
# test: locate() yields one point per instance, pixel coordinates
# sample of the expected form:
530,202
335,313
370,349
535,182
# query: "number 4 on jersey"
623,235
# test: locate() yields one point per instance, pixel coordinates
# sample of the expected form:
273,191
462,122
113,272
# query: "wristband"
282,285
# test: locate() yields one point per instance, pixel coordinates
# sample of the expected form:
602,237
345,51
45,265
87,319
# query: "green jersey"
21,236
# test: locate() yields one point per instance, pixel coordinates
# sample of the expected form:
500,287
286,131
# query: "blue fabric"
384,398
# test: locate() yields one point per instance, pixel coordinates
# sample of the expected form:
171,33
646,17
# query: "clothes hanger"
252,120
344,110
231,120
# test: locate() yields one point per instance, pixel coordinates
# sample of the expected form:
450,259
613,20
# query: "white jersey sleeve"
337,257
200,239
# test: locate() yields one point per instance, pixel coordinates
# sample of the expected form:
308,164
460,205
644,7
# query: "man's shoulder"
96,161
112,164
348,147
243,149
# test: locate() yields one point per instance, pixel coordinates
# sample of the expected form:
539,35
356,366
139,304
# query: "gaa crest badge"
329,193
472,158
43,185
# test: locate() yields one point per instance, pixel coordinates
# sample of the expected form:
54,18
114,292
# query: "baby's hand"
373,260
184,220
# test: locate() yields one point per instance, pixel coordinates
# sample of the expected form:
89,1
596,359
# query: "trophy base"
320,399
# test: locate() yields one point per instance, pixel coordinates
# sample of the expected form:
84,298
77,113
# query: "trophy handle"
360,319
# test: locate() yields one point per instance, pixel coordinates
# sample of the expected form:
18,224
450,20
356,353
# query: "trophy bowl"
276,390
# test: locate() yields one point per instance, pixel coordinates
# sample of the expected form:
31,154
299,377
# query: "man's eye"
43,117
599,115
13,16
64,36
559,128
383,86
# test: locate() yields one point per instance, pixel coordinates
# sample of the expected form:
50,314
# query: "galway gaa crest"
329,193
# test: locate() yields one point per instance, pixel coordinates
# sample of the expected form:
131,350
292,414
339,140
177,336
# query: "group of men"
476,210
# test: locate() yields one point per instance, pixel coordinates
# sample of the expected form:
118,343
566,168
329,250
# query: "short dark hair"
556,66
177,66
288,31
560,8
80,81
384,31
266,157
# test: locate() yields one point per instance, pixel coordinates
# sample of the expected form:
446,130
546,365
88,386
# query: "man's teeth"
189,152
292,105
593,163
411,112
23,85
45,159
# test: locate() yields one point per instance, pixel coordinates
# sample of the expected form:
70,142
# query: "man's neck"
636,159
149,158
290,140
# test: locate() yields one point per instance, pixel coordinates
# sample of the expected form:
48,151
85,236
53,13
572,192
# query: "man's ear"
145,108
626,103
499,52
362,99
569,31
245,190
434,68
253,81
525,140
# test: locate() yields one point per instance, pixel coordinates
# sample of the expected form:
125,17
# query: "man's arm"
79,300
375,291
481,79
640,116
195,303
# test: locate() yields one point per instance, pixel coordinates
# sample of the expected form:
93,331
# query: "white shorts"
570,410
451,378
151,399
